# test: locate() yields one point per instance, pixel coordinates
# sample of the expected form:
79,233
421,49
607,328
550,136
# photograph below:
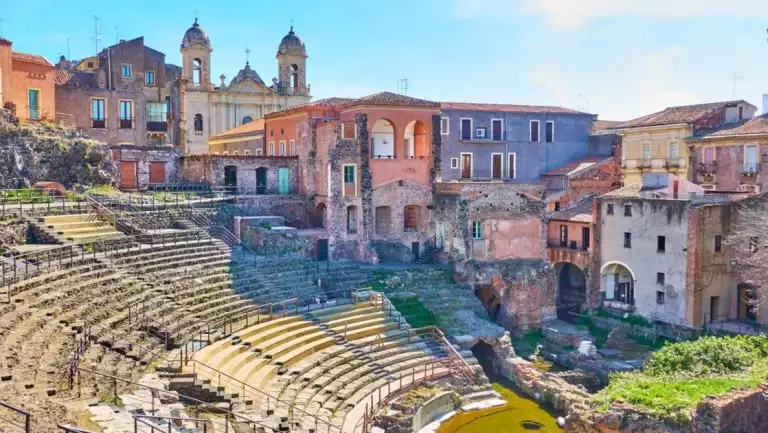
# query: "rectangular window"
609,208
271,149
350,180
126,114
628,210
534,131
127,70
709,155
647,151
659,297
352,219
282,147
497,129
33,98
627,240
157,112
149,78
718,243
557,206
466,129
563,235
454,162
292,148
98,118
549,131
477,230
348,130
512,166
660,278
674,152
157,172
750,159
444,126
661,244
411,218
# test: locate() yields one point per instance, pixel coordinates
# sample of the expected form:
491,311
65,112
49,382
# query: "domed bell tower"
196,51
291,66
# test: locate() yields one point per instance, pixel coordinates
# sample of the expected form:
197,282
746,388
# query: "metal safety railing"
15,417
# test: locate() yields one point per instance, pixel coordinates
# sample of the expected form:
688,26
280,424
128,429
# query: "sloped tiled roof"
631,190
675,115
392,99
30,58
508,108
755,126
603,125
325,102
74,78
581,211
575,167
250,128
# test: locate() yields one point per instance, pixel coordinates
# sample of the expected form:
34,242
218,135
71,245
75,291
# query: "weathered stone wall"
144,156
273,243
211,169
294,208
743,410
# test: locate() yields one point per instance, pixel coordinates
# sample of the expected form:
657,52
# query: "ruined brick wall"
295,209
744,410
344,243
211,169
144,157
274,243
524,290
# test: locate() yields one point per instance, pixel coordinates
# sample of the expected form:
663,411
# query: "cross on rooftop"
247,54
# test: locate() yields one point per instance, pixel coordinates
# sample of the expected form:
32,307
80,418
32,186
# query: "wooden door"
496,165
128,174
156,172
466,166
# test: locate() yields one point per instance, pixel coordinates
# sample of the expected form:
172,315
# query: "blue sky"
617,58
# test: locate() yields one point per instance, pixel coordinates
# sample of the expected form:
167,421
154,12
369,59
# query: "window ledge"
481,141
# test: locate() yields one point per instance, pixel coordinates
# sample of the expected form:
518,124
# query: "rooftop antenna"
735,79
68,55
96,35
402,86
117,34
2,20
196,12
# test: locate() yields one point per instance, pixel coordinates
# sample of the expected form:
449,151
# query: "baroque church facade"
209,109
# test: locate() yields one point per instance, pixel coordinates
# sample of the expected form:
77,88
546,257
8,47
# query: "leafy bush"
709,355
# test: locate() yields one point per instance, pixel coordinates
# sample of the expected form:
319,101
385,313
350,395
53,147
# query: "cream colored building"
210,110
657,143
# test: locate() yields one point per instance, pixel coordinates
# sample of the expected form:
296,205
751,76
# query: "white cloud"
570,14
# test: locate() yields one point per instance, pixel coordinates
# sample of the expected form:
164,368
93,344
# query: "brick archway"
571,291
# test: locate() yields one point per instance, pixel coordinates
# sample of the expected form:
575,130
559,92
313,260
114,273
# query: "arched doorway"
319,216
230,178
416,140
383,139
261,180
571,291
617,281
490,300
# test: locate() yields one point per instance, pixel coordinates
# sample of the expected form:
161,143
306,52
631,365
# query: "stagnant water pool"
520,414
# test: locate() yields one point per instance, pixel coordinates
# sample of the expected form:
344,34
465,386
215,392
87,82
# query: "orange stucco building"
27,80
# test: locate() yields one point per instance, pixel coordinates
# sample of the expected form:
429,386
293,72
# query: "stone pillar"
435,173
366,182
182,115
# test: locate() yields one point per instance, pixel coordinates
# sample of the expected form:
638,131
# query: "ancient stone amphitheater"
134,319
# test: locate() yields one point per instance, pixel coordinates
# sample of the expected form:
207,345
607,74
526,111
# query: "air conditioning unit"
708,186
750,188
480,132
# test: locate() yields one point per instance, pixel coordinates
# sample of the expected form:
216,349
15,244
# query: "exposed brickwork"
144,157
211,169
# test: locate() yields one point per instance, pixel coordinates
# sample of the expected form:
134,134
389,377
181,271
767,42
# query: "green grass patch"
414,312
102,190
650,342
679,375
631,319
526,345
111,399
600,335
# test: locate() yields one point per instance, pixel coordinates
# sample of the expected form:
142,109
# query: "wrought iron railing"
15,417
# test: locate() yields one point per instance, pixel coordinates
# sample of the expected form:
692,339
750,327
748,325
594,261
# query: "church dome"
291,44
195,35
246,74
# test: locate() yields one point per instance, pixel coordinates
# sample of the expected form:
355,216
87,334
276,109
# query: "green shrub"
709,355
599,334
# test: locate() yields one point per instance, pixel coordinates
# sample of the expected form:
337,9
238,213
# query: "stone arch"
261,180
198,122
293,76
230,177
415,139
490,299
197,70
617,282
383,139
571,291
383,220
319,215
411,218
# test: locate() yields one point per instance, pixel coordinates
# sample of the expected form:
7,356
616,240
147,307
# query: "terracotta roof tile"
603,125
631,190
250,128
392,99
329,102
575,167
74,78
755,126
581,211
31,58
675,115
508,108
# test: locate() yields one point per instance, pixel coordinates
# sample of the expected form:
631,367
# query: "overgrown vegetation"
631,319
600,335
526,345
414,312
111,399
679,375
102,190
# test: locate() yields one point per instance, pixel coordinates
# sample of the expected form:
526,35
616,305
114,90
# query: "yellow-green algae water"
518,415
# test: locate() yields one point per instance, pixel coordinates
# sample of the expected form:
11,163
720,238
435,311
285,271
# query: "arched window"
199,122
411,218
247,119
416,140
293,76
383,139
197,71
352,219
383,216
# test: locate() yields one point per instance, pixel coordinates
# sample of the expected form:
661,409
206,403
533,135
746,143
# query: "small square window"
609,208
660,278
659,297
454,162
628,210
627,240
661,244
718,243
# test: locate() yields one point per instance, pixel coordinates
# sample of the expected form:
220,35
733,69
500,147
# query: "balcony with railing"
157,126
656,164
